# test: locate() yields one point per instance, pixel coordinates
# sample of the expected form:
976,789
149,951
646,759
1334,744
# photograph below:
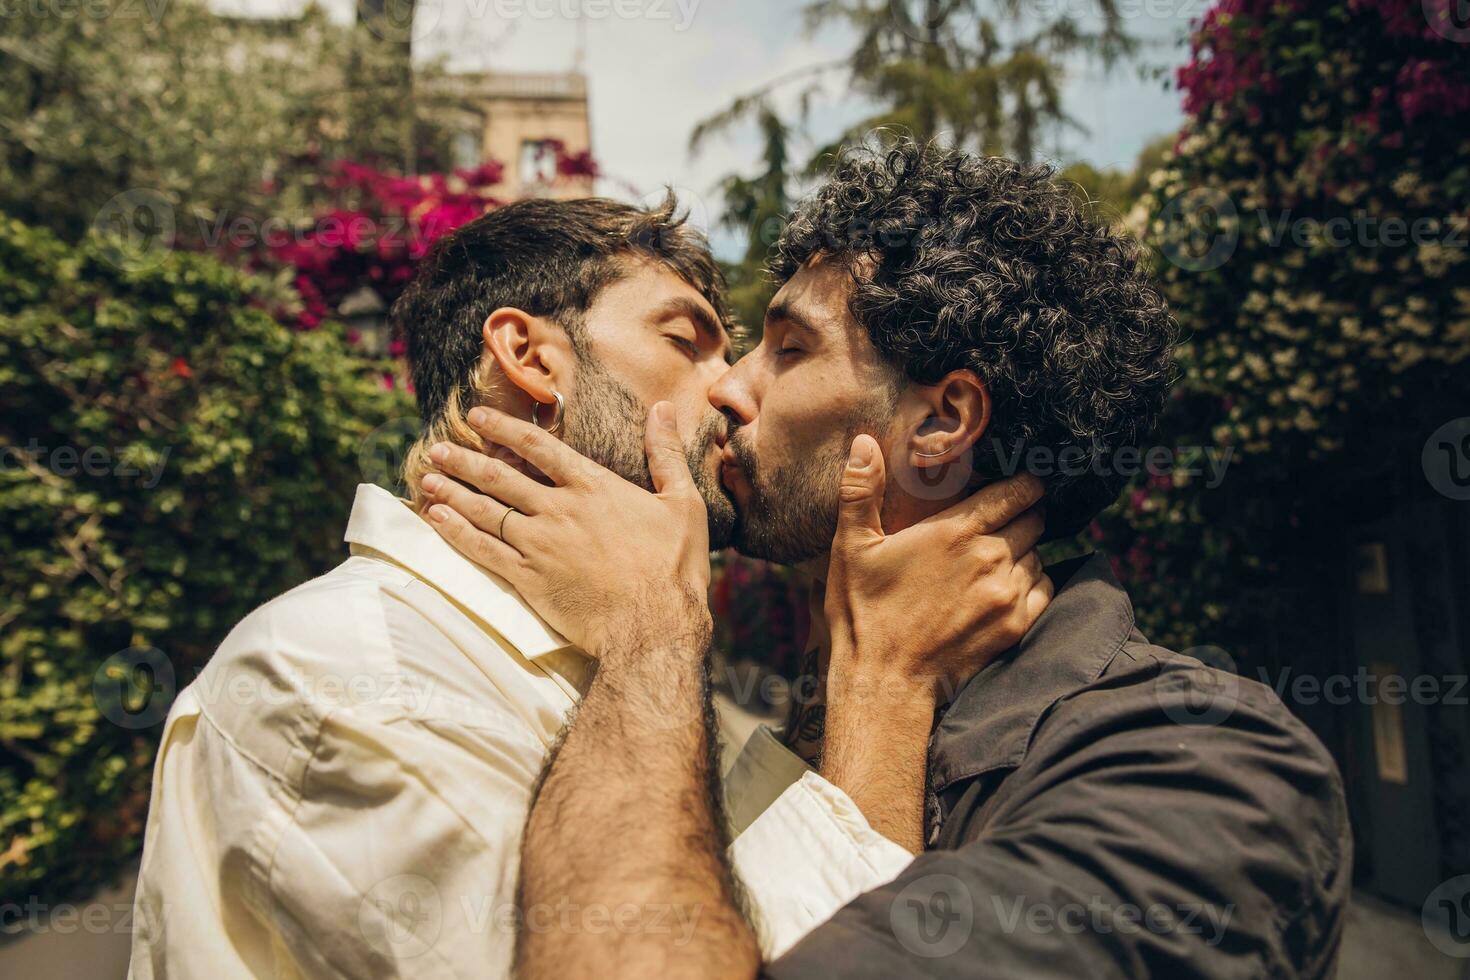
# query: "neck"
806,717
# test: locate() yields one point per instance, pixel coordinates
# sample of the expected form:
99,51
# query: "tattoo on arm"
806,719
813,723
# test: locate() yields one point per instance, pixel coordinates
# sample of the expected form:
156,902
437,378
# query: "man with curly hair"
1084,804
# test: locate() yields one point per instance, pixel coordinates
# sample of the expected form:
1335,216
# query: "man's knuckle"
1017,497
991,553
480,548
580,477
982,520
485,513
525,441
992,594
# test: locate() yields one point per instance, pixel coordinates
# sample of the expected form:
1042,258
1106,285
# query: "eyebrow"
784,311
703,321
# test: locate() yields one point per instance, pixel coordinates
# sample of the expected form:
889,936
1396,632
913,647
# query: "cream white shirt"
341,791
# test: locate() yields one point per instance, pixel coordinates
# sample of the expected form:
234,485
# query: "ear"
533,353
959,414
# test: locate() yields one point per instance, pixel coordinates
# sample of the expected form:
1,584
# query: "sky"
655,68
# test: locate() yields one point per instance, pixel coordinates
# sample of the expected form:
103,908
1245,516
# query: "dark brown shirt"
1101,807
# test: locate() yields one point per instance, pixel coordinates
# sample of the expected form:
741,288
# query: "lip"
731,475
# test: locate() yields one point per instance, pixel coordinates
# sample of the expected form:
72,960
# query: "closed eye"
689,346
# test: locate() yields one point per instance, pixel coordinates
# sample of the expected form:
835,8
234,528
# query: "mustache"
736,439
713,431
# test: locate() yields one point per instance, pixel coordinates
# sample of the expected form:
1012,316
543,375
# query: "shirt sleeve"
399,857
762,771
1129,845
805,849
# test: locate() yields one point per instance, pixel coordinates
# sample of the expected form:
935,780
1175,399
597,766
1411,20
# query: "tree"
199,117
758,205
979,74
1116,192
381,61
1311,232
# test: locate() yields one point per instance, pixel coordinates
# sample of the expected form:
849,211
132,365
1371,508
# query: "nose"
732,395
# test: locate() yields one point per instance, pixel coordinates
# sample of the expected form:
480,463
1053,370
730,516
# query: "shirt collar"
386,525
989,725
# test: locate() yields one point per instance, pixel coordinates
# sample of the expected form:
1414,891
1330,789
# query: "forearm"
628,818
876,748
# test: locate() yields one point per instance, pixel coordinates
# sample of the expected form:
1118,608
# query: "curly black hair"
988,264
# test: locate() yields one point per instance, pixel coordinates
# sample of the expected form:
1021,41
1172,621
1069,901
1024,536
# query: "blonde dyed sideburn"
450,426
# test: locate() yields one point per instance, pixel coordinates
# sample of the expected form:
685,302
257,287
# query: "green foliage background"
158,359
215,117
1321,359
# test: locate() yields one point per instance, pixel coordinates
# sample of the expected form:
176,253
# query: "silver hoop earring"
930,455
561,410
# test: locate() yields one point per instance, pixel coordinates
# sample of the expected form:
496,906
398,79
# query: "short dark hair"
549,258
985,263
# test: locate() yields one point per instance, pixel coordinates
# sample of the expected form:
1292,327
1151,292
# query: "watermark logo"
1201,229
91,918
134,688
138,228
1367,686
1191,696
1446,459
933,23
401,916
933,480
1446,917
679,13
400,21
98,10
329,690
933,916
943,479
98,462
1100,917
1450,19
382,452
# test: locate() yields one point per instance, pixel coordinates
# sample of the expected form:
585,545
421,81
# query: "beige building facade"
518,119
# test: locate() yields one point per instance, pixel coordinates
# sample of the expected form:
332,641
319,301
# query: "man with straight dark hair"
1087,804
342,790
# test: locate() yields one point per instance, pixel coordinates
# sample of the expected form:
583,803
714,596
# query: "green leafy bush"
172,457
1312,227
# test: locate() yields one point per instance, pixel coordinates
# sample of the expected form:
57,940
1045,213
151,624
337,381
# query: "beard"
606,423
792,513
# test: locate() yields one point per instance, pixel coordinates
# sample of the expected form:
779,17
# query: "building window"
465,149
538,162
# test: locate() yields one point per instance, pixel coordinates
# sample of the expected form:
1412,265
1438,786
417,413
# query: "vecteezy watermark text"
93,918
93,461
1210,462
1102,917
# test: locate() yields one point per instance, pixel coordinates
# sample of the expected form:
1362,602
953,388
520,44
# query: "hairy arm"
912,617
623,868
628,826
876,748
